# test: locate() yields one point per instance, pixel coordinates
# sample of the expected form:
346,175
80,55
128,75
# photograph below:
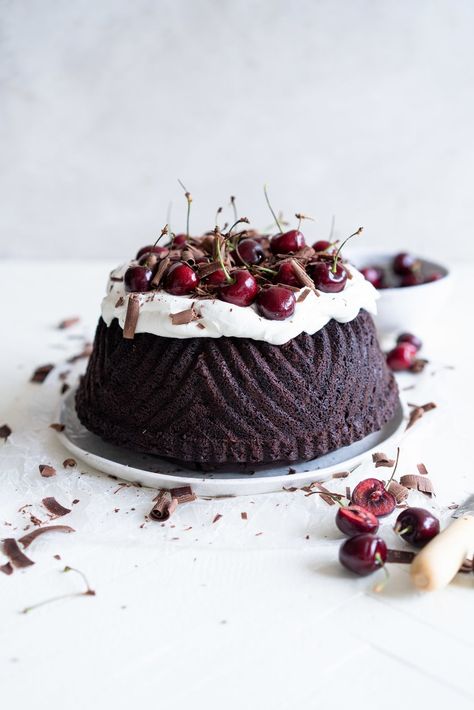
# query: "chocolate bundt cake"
202,378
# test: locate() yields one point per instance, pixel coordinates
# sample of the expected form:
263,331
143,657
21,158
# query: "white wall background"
364,108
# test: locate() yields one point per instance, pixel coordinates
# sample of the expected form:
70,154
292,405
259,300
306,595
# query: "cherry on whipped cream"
180,279
137,279
276,303
242,290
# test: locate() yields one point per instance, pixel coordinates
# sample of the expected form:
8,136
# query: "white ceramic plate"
154,472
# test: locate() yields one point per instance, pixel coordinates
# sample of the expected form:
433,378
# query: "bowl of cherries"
412,290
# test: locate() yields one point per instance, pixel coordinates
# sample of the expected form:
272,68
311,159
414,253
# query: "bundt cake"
236,349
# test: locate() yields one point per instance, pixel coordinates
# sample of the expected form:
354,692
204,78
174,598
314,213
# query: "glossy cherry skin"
180,279
180,240
276,303
401,357
325,279
321,245
352,520
411,339
216,278
417,526
371,495
405,263
152,249
137,279
286,275
374,275
287,242
363,554
243,289
412,279
248,251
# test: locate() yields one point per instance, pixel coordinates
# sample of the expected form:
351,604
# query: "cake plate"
154,472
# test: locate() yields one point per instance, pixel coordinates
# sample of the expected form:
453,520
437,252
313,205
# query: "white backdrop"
361,108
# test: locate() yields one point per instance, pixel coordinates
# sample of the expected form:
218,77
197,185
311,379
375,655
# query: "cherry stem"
264,268
219,257
163,232
271,209
189,199
237,221
234,206
336,255
394,469
300,216
219,210
87,593
331,231
379,587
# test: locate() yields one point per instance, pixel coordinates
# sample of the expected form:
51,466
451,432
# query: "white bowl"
412,308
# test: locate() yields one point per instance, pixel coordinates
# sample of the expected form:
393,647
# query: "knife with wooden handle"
440,560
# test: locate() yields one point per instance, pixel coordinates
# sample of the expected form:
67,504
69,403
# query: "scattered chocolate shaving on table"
381,459
217,517
76,501
35,521
164,507
6,568
64,375
422,469
399,492
340,474
41,373
244,516
57,557
183,494
69,463
57,427
26,540
418,365
55,508
325,494
303,295
401,556
184,317
291,489
453,506
131,317
417,412
64,388
86,352
160,272
5,431
46,471
291,471
68,322
15,555
418,483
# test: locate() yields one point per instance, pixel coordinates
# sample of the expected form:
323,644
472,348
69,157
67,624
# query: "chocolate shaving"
6,568
201,326
86,352
115,278
467,566
14,554
26,540
420,483
41,373
244,516
184,317
340,474
381,459
160,272
55,508
404,557
325,494
69,463
57,427
164,507
120,301
46,471
68,322
301,275
131,317
418,365
422,469
183,494
217,517
399,492
64,388
5,431
303,295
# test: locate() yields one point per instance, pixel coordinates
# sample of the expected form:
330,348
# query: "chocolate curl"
418,483
26,540
184,317
399,492
15,555
381,459
303,295
162,267
184,494
55,508
208,269
46,471
302,277
404,557
6,568
41,373
164,507
68,322
131,317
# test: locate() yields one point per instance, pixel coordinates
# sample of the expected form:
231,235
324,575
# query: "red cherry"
435,276
216,278
248,251
321,245
411,339
286,275
372,495
375,275
287,242
405,263
325,279
152,249
137,279
417,526
243,289
276,303
181,279
180,240
401,357
363,554
352,519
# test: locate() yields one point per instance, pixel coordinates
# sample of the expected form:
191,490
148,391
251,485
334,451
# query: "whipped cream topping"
224,319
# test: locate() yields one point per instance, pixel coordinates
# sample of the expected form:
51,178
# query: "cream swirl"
220,319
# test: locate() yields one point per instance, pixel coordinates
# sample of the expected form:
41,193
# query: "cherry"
286,275
180,240
417,526
401,357
372,495
287,242
321,245
216,278
435,276
248,251
152,249
404,263
276,303
411,339
137,279
352,519
326,278
410,280
363,554
375,275
180,279
242,290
